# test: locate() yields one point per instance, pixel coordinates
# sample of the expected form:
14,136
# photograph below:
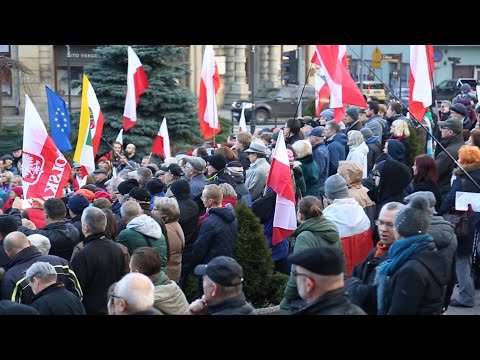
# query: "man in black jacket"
62,235
51,297
99,264
319,274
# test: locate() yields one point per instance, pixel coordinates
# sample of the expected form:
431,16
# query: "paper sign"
462,199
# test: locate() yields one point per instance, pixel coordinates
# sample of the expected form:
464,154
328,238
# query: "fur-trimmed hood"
468,168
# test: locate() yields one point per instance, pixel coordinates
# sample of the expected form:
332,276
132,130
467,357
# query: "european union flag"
60,127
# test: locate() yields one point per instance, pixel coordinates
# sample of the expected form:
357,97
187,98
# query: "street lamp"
68,79
252,117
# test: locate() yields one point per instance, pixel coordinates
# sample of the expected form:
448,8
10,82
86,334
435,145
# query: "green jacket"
312,233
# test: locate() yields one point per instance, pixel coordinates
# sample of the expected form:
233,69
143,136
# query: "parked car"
448,89
273,102
373,88
401,93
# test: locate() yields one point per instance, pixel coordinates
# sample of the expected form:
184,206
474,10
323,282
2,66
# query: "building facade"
242,69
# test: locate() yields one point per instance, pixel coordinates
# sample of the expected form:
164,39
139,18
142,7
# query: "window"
6,74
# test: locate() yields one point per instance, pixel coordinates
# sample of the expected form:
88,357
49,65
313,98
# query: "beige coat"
176,243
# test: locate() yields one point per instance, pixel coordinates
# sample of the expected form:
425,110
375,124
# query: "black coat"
14,285
8,307
56,300
359,286
236,305
63,237
98,265
418,286
335,302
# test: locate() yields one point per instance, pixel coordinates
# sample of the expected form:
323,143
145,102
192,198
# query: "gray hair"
143,175
41,270
95,219
355,137
393,205
41,242
137,290
131,209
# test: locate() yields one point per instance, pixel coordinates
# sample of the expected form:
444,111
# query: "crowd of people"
370,236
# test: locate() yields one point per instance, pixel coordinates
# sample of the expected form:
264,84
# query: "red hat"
102,159
17,190
103,194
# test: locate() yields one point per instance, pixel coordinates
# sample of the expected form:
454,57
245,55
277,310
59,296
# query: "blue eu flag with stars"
60,127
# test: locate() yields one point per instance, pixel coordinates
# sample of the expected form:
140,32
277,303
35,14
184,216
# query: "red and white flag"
161,145
207,103
45,171
242,123
137,83
119,138
421,74
280,180
322,94
332,58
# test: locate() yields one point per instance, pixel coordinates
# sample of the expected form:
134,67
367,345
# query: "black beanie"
8,224
125,186
154,186
180,187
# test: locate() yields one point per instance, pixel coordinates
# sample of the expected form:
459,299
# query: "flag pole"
412,117
303,88
116,152
149,157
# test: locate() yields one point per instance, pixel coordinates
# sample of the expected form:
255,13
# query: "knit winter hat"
217,161
235,168
154,186
353,113
415,218
327,114
17,190
366,132
336,187
179,187
139,194
125,186
78,203
427,194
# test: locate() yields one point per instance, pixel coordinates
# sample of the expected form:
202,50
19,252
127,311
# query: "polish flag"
207,104
280,180
333,59
421,75
45,171
322,94
137,83
242,123
161,145
89,111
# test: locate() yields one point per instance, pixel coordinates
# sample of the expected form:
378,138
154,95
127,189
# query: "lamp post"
252,117
68,79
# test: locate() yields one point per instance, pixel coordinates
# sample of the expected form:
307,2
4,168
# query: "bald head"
137,290
15,242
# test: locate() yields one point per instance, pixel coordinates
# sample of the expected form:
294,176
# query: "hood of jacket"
146,225
442,232
373,139
316,226
227,213
362,148
436,262
468,168
351,171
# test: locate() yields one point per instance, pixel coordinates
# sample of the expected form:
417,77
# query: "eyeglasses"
295,273
112,297
384,223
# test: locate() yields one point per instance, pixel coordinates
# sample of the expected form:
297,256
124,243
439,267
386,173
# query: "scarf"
400,251
382,248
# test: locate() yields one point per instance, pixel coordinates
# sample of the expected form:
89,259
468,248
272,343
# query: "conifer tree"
165,67
253,253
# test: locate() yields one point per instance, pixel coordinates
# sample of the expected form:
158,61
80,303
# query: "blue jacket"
217,236
337,150
322,158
